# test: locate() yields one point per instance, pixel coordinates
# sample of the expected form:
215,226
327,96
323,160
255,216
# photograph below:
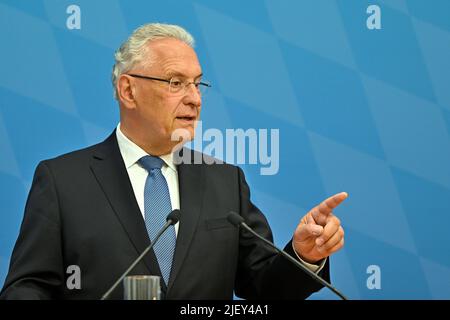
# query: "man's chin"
182,135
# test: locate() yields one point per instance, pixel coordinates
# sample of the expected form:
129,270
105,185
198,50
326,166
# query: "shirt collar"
131,152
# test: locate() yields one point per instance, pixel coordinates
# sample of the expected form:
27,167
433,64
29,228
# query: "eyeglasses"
178,86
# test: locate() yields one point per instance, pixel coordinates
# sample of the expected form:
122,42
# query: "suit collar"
191,185
109,169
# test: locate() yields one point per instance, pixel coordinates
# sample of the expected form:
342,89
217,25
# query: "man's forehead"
174,56
172,48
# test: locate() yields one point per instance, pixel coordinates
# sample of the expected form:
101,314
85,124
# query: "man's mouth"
186,118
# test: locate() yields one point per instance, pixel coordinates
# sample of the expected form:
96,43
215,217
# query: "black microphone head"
174,216
234,218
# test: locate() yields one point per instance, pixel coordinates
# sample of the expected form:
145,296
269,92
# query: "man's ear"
126,91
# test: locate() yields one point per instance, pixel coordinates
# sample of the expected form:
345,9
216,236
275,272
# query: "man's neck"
154,149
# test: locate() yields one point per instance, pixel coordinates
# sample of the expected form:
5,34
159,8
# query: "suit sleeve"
36,267
262,273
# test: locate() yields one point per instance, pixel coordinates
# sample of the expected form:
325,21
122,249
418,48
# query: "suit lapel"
191,187
109,169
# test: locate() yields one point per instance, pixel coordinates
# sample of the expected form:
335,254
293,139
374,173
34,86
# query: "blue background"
362,111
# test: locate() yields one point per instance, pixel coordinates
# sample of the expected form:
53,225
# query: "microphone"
236,220
171,219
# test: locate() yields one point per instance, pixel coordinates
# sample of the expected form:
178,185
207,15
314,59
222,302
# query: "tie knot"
150,162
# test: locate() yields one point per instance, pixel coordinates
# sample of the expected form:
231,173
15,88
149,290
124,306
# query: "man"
97,209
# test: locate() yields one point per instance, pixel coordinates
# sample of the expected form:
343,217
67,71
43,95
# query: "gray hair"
134,50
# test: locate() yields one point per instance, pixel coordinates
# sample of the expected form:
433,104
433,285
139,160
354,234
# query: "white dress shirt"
131,153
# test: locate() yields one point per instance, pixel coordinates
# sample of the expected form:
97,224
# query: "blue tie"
156,208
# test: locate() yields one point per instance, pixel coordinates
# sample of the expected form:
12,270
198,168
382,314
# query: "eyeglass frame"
206,85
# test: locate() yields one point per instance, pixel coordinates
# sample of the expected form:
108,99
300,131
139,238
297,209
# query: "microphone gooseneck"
171,219
236,220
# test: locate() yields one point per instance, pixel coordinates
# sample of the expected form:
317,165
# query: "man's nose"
193,95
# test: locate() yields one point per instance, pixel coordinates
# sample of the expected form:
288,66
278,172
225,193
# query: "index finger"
332,202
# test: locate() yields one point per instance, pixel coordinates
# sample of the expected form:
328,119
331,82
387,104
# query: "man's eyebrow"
182,75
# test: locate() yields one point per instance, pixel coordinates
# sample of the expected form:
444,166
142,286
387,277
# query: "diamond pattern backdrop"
359,110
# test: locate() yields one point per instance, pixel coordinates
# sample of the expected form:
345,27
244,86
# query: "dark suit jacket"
82,211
